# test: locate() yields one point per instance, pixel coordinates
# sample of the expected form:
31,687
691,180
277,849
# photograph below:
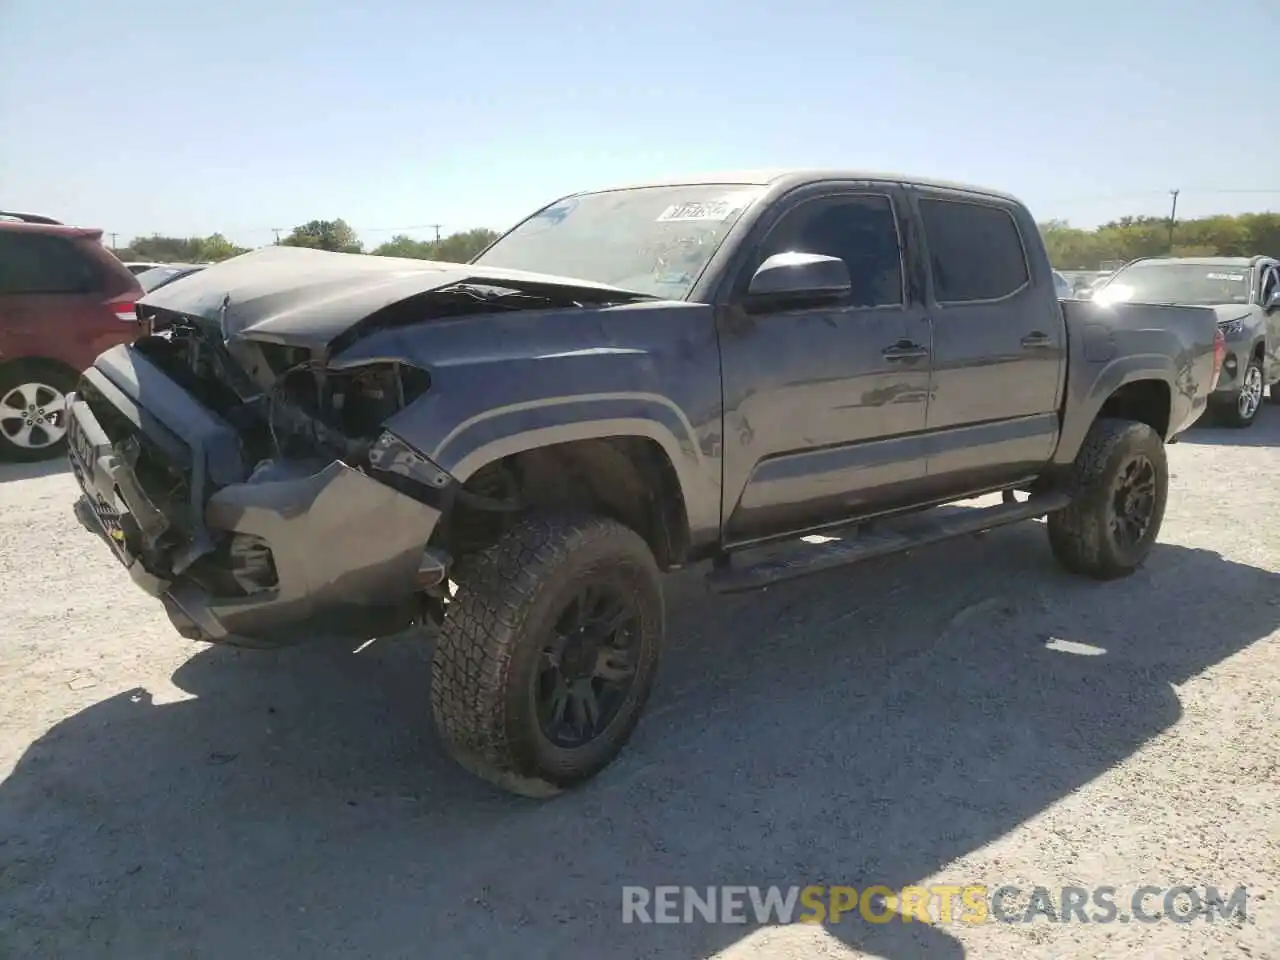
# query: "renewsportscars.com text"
938,903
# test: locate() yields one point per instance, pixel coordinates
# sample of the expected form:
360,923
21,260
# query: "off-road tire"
34,371
1080,533
509,597
1227,413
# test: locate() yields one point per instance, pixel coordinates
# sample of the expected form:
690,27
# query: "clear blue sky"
243,115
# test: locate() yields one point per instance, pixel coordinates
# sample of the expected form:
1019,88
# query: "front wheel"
548,651
1244,411
1120,486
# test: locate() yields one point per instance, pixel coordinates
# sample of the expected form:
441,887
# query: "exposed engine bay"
303,411
289,401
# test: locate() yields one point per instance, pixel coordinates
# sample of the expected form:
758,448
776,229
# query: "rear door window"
975,251
33,263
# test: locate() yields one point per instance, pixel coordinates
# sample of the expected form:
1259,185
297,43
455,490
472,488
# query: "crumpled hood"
307,298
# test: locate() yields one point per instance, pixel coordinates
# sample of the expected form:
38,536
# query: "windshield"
1193,284
654,240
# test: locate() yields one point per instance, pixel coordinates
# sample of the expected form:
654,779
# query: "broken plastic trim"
390,454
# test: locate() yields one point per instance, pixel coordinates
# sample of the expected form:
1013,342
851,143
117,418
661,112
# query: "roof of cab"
799,176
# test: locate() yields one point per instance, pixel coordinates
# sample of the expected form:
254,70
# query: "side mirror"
1273,301
790,275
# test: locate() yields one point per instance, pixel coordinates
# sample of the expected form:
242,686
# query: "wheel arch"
1136,388
50,363
629,477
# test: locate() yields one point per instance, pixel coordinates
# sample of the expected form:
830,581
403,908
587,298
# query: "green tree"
335,235
180,249
402,245
1128,238
216,247
455,248
463,247
165,249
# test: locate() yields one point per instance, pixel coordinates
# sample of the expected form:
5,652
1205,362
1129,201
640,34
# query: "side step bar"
882,538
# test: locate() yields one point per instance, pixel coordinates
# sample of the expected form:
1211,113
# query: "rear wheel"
1120,487
33,410
1244,410
1273,393
548,651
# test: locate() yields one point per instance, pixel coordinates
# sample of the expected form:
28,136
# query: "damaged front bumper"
266,557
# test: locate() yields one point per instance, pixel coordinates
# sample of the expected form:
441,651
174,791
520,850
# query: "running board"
881,538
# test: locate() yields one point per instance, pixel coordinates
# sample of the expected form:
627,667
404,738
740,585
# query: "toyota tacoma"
628,381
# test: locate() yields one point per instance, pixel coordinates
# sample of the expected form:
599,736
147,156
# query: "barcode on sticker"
719,209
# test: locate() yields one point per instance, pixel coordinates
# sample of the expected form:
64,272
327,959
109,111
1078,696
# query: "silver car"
1245,294
1062,286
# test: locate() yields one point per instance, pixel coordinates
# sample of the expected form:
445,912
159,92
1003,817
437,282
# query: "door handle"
1036,339
904,350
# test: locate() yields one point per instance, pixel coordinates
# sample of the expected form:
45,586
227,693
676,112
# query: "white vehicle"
141,266
1062,286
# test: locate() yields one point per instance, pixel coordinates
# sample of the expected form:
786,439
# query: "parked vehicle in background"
157,277
142,266
64,298
1084,283
626,382
1245,294
1062,286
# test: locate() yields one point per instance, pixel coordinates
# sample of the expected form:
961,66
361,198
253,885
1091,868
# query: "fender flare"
503,431
1081,413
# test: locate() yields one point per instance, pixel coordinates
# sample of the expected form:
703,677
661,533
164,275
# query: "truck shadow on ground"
864,726
1265,432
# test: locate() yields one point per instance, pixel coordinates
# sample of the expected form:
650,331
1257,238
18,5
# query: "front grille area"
108,516
166,481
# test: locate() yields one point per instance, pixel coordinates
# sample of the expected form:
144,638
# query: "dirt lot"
903,722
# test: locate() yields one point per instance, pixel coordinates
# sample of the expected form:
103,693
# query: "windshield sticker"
557,213
719,209
1224,276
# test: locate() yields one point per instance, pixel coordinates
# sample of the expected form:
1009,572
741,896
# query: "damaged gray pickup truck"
628,381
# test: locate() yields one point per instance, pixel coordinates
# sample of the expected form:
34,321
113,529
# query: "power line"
417,226
1100,198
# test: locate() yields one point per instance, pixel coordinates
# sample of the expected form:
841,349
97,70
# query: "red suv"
64,298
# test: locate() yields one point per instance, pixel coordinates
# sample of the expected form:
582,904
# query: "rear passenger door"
998,344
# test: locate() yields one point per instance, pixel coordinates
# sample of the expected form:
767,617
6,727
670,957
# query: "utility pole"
114,245
436,227
276,231
1173,216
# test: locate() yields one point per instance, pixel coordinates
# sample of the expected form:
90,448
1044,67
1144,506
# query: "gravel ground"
903,722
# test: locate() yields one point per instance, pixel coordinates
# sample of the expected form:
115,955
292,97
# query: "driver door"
825,403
